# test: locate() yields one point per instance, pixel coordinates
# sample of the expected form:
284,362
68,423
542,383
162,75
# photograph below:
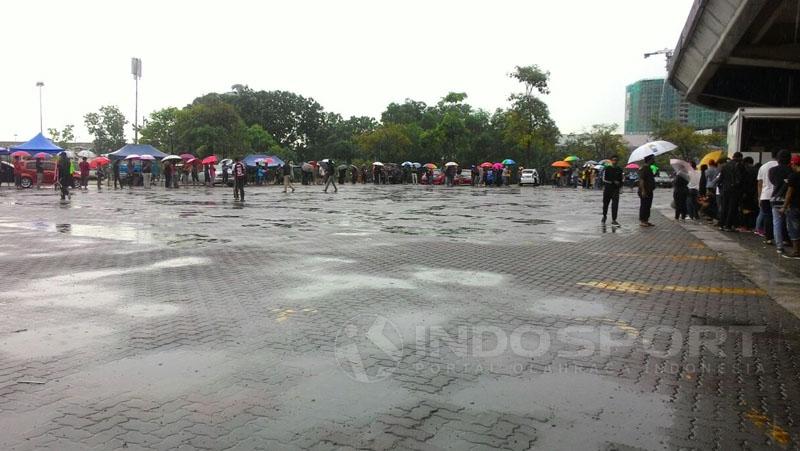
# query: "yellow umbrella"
715,155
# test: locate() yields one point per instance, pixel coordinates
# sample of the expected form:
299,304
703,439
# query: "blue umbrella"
509,161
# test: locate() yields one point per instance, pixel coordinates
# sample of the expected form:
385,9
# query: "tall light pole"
39,85
136,71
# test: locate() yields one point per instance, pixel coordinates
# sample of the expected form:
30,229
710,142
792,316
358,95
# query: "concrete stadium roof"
739,53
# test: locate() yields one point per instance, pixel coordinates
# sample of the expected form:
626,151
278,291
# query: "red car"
28,176
438,178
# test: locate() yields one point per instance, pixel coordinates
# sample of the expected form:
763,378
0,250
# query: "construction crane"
666,52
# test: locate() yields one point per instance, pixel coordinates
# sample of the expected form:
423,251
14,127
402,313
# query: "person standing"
168,175
115,168
764,190
239,175
791,209
287,176
680,195
225,169
647,186
64,175
83,166
212,173
147,171
731,180
39,172
692,206
18,166
330,178
779,177
195,175
612,185
100,174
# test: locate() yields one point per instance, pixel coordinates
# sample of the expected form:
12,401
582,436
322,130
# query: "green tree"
529,127
108,128
64,137
388,142
159,130
691,145
211,127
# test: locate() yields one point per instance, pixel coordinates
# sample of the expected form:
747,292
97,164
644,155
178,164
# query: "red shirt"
18,166
84,165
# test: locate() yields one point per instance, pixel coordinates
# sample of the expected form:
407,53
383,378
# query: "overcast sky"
353,57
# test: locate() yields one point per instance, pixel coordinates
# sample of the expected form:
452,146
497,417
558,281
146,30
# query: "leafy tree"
388,142
529,126
211,127
108,128
62,138
159,129
691,145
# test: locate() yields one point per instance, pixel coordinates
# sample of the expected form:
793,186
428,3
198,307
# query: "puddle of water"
585,410
330,284
53,341
107,232
466,278
148,310
181,262
562,306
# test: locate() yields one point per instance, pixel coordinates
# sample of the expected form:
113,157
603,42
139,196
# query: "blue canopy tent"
38,144
4,151
136,149
251,160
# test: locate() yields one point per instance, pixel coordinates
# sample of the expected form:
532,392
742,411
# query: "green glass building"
653,99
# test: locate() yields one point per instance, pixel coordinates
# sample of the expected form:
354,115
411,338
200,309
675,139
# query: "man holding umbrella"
647,185
612,183
239,174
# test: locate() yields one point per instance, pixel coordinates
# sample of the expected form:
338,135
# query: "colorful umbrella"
20,154
486,165
211,159
715,155
571,158
632,166
187,156
561,164
430,166
509,162
42,155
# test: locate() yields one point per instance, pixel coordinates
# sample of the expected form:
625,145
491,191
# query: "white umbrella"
70,154
408,163
86,154
326,160
654,148
598,166
680,165
171,157
451,163
377,163
132,157
147,157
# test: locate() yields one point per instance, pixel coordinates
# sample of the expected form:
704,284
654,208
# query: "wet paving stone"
388,317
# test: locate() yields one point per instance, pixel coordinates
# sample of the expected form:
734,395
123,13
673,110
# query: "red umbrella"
632,166
486,165
99,161
187,156
21,154
212,159
42,155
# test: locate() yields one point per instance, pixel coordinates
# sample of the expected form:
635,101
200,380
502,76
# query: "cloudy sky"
352,56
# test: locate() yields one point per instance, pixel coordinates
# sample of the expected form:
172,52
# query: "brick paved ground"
380,318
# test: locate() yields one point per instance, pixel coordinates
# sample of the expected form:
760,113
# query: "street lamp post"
136,71
39,85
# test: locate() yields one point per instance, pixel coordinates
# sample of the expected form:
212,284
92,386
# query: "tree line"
245,121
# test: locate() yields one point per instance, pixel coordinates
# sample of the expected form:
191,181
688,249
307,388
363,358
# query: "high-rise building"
648,101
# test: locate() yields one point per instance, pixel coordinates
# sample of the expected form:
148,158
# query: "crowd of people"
739,196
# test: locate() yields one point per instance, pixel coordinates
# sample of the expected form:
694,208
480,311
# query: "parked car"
664,179
438,178
28,175
463,178
218,178
529,177
6,172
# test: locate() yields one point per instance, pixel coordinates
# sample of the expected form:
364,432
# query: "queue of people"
741,197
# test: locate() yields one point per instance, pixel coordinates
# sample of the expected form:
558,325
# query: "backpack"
779,195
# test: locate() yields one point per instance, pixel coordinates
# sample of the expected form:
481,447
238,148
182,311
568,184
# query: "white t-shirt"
763,175
694,179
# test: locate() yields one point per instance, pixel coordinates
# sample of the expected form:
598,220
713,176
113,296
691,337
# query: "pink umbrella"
186,156
632,166
133,157
498,166
42,155
21,154
147,157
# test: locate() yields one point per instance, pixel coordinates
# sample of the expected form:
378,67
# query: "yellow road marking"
283,315
643,288
775,432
